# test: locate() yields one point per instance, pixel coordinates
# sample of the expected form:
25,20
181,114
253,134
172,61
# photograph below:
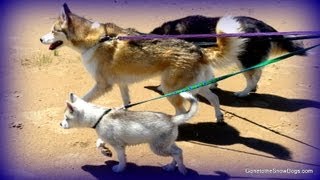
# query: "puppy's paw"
183,170
169,167
99,143
255,89
106,152
220,118
118,168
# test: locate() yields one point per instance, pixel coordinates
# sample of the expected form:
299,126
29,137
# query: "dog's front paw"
106,152
169,167
118,168
100,143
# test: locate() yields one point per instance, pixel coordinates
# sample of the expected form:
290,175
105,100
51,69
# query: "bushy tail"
182,118
282,45
228,48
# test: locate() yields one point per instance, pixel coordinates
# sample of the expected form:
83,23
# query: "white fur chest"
89,61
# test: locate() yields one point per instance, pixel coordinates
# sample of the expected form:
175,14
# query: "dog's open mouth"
54,45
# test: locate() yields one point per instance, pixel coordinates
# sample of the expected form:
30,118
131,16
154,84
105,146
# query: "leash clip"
107,38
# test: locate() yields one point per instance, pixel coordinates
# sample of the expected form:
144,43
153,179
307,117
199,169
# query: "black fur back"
256,49
190,25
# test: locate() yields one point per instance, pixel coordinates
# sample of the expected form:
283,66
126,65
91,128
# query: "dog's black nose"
40,39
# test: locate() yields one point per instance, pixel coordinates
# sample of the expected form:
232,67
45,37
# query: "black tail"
291,46
280,44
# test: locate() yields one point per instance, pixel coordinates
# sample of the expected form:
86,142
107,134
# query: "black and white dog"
255,50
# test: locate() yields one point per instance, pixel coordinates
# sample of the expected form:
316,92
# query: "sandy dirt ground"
271,129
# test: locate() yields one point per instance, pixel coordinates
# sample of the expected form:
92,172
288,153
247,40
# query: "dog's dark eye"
67,118
56,31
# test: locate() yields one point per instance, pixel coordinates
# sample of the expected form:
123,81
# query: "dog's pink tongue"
51,47
55,45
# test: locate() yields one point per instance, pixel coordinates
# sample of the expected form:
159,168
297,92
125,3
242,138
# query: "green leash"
214,80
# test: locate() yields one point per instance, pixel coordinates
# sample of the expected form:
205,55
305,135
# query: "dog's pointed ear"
70,107
65,13
73,97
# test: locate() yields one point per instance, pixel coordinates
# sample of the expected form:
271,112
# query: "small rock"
16,125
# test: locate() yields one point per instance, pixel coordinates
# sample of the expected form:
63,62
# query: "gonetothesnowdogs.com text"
278,171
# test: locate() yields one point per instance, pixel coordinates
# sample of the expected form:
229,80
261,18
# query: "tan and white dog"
178,62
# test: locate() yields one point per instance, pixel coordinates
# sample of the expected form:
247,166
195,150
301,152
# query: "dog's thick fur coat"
121,128
178,62
253,51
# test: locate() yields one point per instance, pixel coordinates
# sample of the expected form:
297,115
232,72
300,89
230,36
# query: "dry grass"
38,59
56,53
43,59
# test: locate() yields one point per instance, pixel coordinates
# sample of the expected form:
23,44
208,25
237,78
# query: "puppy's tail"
182,118
228,48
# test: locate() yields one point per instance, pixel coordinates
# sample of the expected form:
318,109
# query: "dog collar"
100,118
106,38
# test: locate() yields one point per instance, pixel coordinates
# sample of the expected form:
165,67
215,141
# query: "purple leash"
313,34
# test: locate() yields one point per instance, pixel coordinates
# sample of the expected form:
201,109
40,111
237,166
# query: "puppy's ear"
65,13
73,97
70,107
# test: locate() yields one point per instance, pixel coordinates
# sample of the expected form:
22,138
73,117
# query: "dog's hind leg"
256,77
213,100
163,149
177,102
176,154
171,166
122,159
97,91
256,50
252,78
170,84
173,150
124,90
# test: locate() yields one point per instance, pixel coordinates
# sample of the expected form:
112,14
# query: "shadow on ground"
224,134
134,171
265,101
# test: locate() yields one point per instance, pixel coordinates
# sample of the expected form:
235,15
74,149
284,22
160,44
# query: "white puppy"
119,128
